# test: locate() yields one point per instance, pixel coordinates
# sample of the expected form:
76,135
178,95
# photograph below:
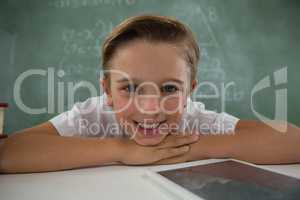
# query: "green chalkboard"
242,43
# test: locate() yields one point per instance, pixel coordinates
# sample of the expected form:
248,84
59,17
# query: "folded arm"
41,149
253,141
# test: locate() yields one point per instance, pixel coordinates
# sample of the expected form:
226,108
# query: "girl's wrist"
119,149
110,150
217,147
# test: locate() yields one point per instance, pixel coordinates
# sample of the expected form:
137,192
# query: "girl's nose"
149,104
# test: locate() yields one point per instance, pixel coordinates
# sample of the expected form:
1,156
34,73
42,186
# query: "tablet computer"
234,180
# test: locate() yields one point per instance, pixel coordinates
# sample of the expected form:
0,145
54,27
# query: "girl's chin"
148,137
149,141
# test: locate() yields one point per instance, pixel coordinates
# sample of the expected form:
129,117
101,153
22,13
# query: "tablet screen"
233,180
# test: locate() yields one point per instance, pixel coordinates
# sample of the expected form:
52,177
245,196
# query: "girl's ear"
106,87
194,84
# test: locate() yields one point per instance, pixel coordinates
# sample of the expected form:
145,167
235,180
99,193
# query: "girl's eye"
130,88
169,89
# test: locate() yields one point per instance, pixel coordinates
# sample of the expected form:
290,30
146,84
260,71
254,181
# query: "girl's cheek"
124,105
173,105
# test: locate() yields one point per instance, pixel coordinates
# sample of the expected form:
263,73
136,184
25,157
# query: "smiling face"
148,88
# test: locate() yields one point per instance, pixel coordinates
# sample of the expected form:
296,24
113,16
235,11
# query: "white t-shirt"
94,118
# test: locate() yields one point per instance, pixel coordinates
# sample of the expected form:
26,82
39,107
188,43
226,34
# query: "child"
145,115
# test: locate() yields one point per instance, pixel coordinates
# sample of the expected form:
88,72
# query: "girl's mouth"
149,129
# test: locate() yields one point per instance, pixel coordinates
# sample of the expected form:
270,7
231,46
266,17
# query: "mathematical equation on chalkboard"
90,3
86,41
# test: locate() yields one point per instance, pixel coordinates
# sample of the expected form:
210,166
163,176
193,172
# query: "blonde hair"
152,28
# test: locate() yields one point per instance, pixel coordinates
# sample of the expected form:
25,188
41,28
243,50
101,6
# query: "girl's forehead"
147,55
146,61
149,62
150,74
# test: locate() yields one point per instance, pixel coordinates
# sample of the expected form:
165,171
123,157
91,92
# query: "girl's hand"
195,153
172,146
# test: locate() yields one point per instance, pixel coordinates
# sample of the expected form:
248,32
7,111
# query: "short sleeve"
79,120
65,123
197,118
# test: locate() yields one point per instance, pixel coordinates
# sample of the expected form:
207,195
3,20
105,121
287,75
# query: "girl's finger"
172,152
177,141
